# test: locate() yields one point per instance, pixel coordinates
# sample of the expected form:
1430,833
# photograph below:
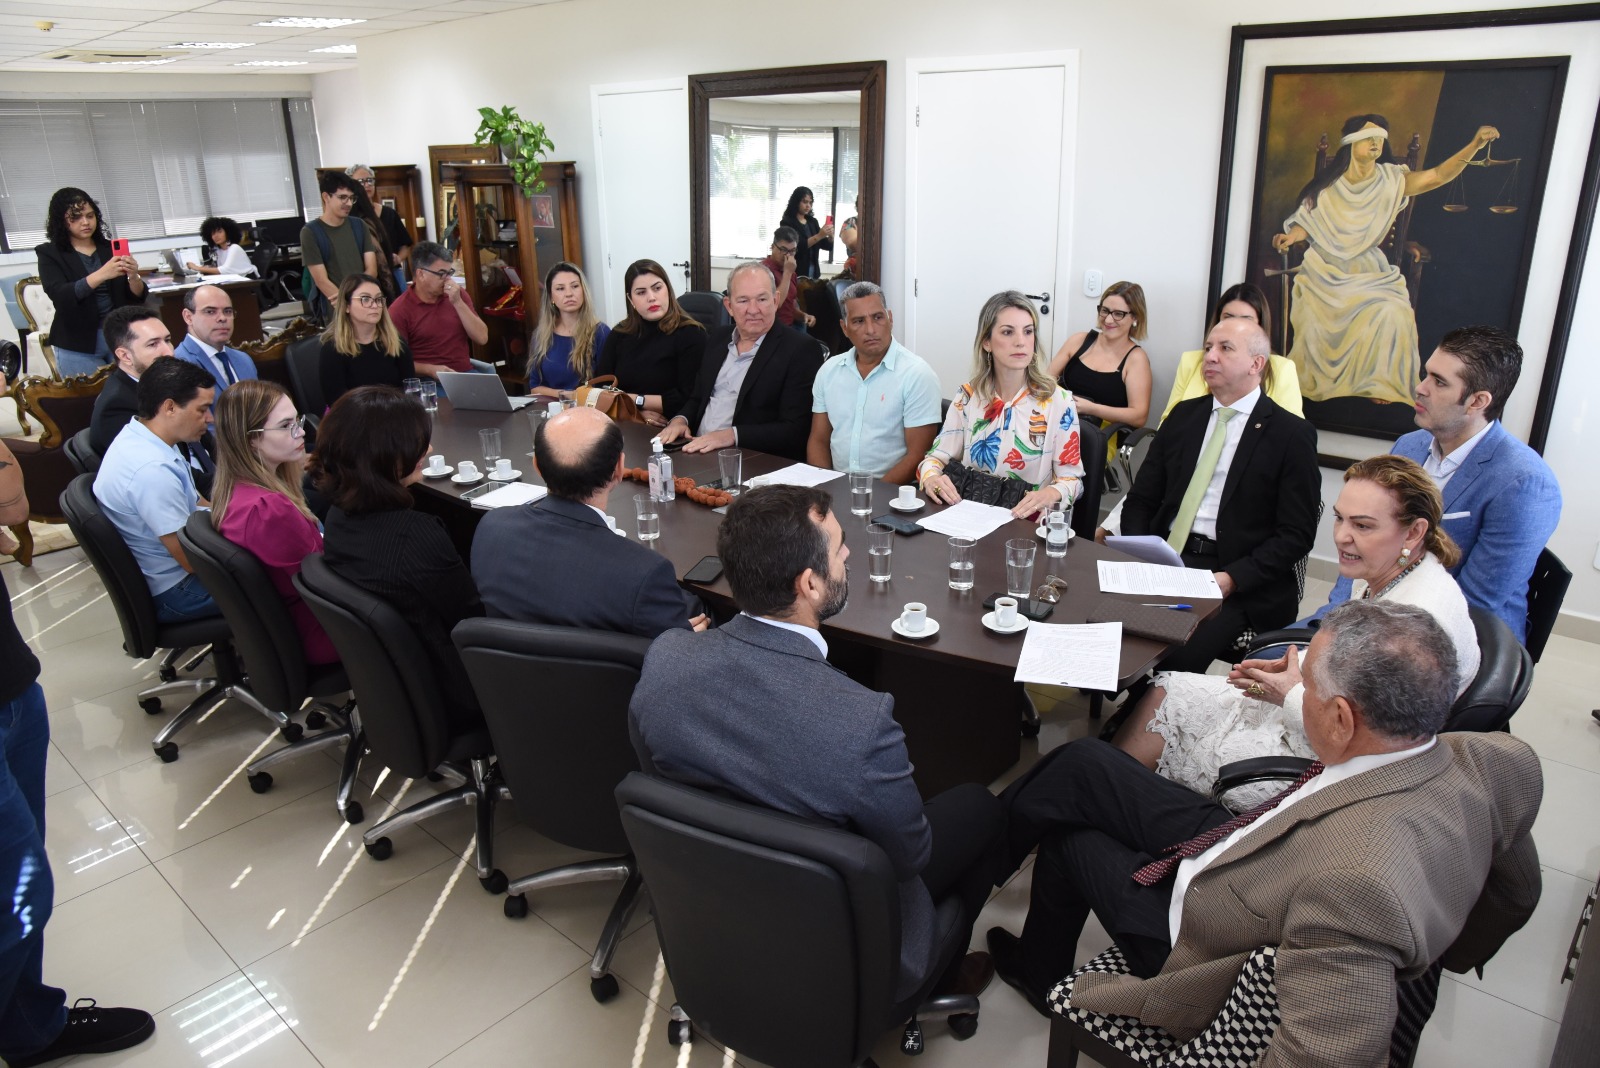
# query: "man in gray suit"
560,560
754,708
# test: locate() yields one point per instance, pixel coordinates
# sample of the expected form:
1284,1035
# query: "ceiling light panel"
209,46
274,63
343,50
308,23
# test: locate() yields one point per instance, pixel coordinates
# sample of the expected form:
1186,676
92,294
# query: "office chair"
304,359
266,638
261,258
705,308
556,700
80,454
403,714
1547,588
781,935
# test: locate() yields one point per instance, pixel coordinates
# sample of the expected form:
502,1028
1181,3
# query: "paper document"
509,495
1071,654
1155,580
967,519
795,475
1147,547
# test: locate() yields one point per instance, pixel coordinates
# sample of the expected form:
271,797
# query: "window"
755,168
157,167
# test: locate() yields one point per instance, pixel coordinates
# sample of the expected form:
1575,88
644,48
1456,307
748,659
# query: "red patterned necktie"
1157,870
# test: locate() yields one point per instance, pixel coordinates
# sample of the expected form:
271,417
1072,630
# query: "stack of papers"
795,475
967,519
1085,655
509,495
1156,580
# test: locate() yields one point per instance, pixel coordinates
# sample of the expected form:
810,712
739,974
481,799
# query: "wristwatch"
638,398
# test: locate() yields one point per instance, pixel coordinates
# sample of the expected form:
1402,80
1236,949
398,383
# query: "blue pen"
1174,607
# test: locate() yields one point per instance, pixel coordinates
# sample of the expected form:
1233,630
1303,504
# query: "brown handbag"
602,392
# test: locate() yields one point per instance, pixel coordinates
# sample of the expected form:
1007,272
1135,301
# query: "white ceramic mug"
467,469
915,617
502,467
1005,612
436,463
908,495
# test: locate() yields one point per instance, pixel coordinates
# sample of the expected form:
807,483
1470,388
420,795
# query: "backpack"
310,296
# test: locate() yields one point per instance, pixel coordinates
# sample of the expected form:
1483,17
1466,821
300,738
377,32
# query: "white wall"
342,121
1153,82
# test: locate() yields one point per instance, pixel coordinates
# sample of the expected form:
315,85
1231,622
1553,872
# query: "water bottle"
661,487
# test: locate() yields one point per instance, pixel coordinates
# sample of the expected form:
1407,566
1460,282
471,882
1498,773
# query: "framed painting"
1444,175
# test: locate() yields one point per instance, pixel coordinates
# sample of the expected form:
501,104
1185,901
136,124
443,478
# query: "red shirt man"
782,265
435,317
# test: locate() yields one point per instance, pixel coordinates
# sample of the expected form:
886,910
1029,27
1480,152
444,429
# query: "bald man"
563,560
208,317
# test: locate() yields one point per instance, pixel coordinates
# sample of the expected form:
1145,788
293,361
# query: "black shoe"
1006,949
91,1029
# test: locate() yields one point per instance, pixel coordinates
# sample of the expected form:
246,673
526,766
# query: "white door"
988,195
641,141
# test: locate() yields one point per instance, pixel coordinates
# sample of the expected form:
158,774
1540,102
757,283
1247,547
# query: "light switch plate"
1093,282
1597,557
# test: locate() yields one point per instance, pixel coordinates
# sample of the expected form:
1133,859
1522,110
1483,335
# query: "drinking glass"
1019,566
961,566
1057,527
413,388
860,493
489,438
649,520
732,463
880,551
430,395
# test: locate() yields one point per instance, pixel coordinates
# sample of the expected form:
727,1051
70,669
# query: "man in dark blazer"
754,389
560,560
755,709
1254,516
1406,848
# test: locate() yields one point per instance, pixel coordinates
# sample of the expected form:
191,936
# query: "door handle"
1043,299
685,266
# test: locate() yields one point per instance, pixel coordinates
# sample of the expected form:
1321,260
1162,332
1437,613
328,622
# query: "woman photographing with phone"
85,278
813,235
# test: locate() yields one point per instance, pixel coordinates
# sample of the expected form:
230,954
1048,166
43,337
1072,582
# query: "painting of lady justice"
1400,227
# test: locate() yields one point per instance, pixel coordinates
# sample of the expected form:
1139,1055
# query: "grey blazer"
782,727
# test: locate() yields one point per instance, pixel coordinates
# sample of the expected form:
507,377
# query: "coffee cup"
502,467
436,463
553,408
467,469
1005,611
908,495
915,617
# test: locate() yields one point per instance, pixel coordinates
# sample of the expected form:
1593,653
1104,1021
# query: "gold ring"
1255,689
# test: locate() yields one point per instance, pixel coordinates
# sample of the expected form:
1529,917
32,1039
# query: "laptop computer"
475,392
175,263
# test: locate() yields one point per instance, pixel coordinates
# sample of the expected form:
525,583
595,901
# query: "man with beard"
781,727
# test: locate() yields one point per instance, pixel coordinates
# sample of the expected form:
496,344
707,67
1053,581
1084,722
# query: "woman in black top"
812,235
362,347
1105,370
83,280
655,352
370,449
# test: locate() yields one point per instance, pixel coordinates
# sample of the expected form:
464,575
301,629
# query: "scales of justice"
1505,199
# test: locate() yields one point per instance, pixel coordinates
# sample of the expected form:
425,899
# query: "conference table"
955,695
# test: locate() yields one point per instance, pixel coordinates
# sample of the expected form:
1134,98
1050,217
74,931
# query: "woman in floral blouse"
1012,420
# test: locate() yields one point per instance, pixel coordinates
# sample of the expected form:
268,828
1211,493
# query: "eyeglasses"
1109,315
441,274
344,198
367,181
296,427
787,250
367,300
1052,591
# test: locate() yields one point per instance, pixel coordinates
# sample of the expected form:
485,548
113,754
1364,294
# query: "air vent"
87,55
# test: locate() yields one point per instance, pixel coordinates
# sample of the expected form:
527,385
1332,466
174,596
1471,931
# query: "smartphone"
479,491
1034,610
706,571
899,524
119,246
829,221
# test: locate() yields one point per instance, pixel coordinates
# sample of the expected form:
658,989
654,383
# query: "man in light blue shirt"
876,407
145,487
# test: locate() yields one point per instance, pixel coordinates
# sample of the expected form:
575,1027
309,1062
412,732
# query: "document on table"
1071,654
1155,580
1146,547
967,519
509,495
795,475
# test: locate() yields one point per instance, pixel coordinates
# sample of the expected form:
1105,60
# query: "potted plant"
522,143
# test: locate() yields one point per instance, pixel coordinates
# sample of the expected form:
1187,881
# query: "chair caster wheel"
1030,728
168,752
678,1032
517,907
261,782
292,732
603,988
316,719
496,882
168,674
911,1041
382,849
354,814
151,706
964,1025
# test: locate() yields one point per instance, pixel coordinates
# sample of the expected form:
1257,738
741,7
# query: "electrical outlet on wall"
1093,283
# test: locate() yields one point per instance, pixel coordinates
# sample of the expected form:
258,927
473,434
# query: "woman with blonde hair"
1012,424
655,352
257,501
361,347
1105,370
569,336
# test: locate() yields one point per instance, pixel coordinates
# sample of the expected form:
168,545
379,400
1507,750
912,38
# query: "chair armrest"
1286,636
1258,769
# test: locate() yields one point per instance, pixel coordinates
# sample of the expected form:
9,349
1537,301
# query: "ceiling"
153,26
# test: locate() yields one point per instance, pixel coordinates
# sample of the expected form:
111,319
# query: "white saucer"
916,504
445,470
929,629
1021,624
1044,532
512,477
466,481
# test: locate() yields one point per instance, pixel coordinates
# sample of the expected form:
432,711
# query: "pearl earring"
1405,556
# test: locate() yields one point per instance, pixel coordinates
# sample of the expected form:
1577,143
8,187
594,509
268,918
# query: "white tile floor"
260,934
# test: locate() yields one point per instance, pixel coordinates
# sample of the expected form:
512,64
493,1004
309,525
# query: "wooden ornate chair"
270,353
62,408
41,314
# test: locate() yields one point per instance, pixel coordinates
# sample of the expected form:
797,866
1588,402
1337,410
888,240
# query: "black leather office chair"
781,936
403,713
261,258
1092,449
1547,588
85,461
266,638
556,699
142,635
304,359
705,308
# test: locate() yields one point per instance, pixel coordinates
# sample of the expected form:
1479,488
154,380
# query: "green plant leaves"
524,144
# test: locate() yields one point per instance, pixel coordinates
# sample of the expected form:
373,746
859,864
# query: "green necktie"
1203,470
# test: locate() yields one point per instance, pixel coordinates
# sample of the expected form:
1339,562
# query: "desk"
954,693
246,308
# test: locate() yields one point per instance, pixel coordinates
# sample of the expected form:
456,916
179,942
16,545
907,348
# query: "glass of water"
430,395
649,519
1019,566
1057,530
731,462
489,438
413,388
880,550
860,493
961,565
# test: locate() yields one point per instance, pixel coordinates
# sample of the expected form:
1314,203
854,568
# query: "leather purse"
602,392
984,488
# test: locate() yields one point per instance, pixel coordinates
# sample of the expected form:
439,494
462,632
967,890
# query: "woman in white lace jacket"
1386,529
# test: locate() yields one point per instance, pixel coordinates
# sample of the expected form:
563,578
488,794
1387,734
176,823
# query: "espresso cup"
502,467
915,617
1005,611
908,495
436,462
467,469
